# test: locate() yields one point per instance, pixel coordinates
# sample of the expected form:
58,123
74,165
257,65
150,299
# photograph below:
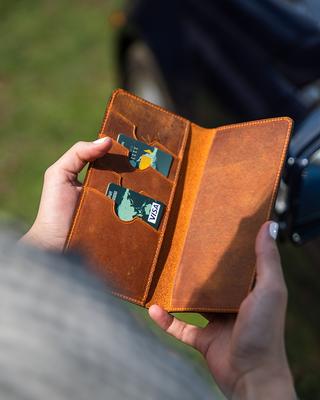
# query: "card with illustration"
142,156
130,204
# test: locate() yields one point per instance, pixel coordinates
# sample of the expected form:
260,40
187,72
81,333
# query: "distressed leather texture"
221,188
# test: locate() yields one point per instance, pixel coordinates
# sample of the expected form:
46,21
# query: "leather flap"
236,196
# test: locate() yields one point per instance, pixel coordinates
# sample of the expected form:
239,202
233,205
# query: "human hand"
60,194
246,353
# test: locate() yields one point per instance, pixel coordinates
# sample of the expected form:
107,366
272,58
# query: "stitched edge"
276,181
177,309
123,117
143,101
274,192
86,190
85,184
257,122
202,309
140,100
132,299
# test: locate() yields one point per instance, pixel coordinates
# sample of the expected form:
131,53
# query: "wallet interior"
220,189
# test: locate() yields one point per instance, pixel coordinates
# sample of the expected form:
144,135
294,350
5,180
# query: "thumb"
268,264
75,159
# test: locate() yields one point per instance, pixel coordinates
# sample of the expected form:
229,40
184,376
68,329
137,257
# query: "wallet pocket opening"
150,182
115,167
100,180
118,123
162,147
175,160
152,171
116,160
109,244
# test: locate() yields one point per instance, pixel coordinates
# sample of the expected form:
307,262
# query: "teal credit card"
130,204
142,156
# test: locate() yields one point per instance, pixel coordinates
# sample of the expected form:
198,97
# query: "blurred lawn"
57,71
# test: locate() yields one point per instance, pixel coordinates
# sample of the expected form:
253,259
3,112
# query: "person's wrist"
34,238
273,383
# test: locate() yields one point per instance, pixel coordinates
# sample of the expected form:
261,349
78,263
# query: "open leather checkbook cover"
220,188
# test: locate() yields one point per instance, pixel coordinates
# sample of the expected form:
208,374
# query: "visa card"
142,156
130,204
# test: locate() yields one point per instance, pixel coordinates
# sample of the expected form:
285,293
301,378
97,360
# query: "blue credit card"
142,156
130,204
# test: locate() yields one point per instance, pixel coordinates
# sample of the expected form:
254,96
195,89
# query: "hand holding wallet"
220,188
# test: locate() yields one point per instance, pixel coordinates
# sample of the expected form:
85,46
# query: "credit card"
130,204
142,156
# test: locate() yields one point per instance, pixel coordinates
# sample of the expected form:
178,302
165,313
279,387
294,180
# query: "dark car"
217,62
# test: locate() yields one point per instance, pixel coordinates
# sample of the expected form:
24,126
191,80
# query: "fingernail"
102,140
273,230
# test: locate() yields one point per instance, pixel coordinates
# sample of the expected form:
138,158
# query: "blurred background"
214,62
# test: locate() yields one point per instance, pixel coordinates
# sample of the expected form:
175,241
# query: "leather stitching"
140,100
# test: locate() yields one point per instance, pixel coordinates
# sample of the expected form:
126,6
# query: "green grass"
57,70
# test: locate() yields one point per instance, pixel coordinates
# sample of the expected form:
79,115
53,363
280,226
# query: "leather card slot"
122,252
118,148
109,168
152,122
174,165
152,134
100,179
150,181
117,123
160,146
116,160
115,167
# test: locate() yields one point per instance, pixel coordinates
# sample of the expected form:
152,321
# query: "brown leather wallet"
221,188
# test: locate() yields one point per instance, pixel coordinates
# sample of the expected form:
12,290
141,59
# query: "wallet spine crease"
160,240
212,132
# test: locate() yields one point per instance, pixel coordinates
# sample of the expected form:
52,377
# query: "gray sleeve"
62,336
